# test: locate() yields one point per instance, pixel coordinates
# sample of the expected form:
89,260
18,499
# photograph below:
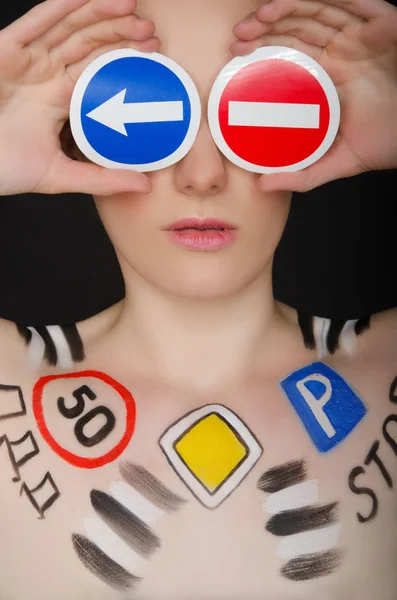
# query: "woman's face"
204,185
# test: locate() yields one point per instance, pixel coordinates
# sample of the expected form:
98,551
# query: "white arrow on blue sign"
135,110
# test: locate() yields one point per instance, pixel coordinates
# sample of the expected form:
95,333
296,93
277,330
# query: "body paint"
309,533
375,457
328,408
282,477
102,566
90,389
121,537
112,546
312,566
150,487
23,450
291,498
125,524
58,345
212,451
308,542
12,403
328,335
26,447
298,520
50,489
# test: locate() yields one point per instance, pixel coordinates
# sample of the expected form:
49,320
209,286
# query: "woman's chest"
284,493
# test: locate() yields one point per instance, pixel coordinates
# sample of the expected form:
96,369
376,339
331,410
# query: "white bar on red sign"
274,114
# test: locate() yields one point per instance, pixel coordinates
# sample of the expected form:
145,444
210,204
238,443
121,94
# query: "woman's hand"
355,41
41,57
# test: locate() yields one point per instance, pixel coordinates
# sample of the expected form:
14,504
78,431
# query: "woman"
186,443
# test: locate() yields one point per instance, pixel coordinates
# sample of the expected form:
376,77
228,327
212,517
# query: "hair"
69,145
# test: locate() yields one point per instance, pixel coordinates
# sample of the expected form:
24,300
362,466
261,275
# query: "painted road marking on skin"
150,487
64,354
327,406
321,329
290,522
36,348
121,538
113,546
278,478
135,502
308,542
102,566
309,532
212,451
296,496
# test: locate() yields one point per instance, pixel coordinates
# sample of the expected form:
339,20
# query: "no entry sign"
274,110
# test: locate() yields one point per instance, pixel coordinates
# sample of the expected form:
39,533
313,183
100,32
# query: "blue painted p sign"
328,408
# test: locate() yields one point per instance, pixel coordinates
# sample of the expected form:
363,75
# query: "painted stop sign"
274,110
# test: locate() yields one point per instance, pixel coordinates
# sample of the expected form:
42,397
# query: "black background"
337,258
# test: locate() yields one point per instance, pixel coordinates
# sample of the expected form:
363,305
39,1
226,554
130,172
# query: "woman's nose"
202,172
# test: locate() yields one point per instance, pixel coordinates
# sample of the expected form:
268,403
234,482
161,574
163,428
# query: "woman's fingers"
274,11
90,13
240,48
304,29
39,20
338,163
84,42
71,176
76,69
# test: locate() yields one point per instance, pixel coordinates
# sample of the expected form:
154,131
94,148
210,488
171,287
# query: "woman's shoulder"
62,345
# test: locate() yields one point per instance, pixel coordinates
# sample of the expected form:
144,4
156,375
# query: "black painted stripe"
362,325
103,567
125,524
305,322
25,333
333,336
150,487
298,520
74,341
312,566
278,478
50,353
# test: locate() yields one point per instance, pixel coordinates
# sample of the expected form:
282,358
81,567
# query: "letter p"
327,406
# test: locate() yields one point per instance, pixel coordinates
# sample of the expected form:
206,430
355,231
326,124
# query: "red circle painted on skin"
75,459
274,80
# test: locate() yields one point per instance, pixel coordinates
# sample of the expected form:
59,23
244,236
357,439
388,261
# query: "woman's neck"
208,342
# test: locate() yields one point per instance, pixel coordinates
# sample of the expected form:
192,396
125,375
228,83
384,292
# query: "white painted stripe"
274,114
135,502
114,547
320,329
36,348
309,542
64,354
348,337
290,498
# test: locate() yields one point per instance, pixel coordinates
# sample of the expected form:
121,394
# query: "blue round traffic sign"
135,110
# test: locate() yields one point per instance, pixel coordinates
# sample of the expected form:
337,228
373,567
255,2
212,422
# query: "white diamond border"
175,431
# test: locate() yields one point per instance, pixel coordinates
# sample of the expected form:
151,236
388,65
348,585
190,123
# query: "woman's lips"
202,234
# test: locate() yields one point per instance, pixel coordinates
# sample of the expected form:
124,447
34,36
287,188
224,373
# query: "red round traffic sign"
274,110
66,408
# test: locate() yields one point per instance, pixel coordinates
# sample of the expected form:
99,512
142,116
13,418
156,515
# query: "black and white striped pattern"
307,532
327,336
122,535
58,346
